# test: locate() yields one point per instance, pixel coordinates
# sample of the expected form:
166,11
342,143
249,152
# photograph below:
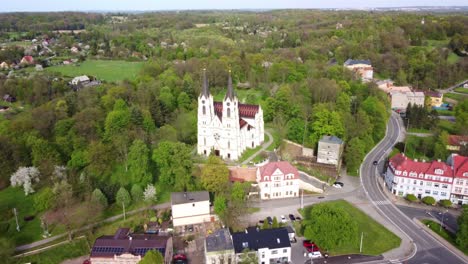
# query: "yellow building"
436,99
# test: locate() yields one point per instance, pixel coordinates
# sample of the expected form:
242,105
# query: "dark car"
339,183
375,162
291,217
270,220
298,218
261,222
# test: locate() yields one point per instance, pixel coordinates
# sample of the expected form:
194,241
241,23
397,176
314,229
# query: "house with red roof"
27,60
229,127
420,178
460,184
457,142
278,180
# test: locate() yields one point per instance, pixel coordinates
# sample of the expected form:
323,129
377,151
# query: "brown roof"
242,174
123,242
284,166
245,110
457,140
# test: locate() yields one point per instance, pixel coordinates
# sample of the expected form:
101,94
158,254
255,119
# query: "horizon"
185,5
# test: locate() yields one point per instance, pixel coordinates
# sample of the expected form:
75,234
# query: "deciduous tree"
215,175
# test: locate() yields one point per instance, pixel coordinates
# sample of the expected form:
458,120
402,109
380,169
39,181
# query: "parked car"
298,218
315,254
340,183
307,243
337,186
291,217
261,222
270,220
283,219
375,162
179,259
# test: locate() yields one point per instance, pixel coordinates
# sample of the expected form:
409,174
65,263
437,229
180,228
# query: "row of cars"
283,219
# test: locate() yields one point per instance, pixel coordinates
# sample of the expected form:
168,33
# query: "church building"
227,128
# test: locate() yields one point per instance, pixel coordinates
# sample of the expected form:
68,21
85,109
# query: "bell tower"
205,117
231,123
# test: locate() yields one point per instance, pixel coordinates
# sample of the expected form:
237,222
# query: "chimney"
278,240
130,238
246,231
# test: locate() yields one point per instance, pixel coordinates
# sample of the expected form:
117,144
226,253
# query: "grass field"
419,130
434,226
453,58
376,240
58,254
445,112
458,97
106,70
461,90
447,126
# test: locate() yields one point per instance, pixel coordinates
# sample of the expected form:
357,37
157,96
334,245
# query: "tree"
429,200
220,206
462,234
25,176
150,193
354,153
98,197
275,223
7,249
44,199
330,227
237,193
265,224
215,175
152,257
296,130
138,163
248,257
174,163
411,197
326,122
445,203
123,197
137,192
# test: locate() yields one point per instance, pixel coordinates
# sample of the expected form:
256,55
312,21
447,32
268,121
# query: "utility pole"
123,205
360,246
16,217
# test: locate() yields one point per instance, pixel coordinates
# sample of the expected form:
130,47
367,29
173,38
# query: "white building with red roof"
227,128
406,176
278,180
460,184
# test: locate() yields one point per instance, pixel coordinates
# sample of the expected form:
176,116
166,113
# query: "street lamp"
443,215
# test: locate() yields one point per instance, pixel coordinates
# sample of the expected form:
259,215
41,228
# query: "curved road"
427,249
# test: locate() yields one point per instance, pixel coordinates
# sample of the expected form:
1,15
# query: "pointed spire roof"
230,91
205,89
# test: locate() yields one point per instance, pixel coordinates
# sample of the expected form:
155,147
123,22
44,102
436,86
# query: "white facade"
329,151
80,79
400,100
227,127
278,180
460,183
188,211
266,254
362,67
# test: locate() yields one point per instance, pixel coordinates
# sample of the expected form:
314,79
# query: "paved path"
418,246
451,88
110,219
264,147
420,134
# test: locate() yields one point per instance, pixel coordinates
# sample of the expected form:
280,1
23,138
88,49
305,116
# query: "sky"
143,5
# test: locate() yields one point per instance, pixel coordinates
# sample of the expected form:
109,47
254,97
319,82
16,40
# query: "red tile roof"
284,166
457,140
28,58
460,165
245,111
445,169
401,162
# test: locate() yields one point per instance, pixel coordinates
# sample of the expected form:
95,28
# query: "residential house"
270,245
190,208
330,149
124,247
80,80
457,142
278,180
219,248
435,98
400,100
27,60
4,66
388,87
9,98
361,67
460,184
405,176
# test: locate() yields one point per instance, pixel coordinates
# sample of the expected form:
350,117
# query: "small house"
361,67
80,80
190,208
27,60
330,150
219,247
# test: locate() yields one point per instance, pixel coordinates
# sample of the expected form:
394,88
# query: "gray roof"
189,197
219,241
230,91
255,238
331,139
352,62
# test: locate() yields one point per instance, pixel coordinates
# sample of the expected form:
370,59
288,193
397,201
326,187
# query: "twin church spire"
206,91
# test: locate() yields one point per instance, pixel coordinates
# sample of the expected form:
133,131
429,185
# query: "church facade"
227,128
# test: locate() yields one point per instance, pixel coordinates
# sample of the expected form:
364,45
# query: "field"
443,233
106,70
377,239
461,90
58,254
458,97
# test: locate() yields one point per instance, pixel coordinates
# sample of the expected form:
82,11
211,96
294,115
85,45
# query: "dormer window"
265,178
439,171
405,173
245,244
465,174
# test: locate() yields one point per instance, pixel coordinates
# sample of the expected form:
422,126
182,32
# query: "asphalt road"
428,249
450,220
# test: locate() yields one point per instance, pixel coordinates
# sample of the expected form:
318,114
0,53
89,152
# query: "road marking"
395,261
385,202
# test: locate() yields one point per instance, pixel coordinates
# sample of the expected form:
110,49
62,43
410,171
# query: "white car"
337,186
283,219
315,254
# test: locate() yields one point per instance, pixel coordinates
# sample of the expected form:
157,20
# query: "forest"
114,141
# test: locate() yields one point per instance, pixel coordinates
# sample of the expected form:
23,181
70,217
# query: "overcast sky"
83,5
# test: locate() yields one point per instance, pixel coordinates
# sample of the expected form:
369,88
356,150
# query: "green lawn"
316,173
447,126
376,240
458,97
249,152
419,130
106,70
461,90
453,58
445,112
58,254
434,226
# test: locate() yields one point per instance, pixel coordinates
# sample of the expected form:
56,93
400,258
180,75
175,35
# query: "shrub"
429,200
98,197
137,193
123,196
44,199
411,197
445,203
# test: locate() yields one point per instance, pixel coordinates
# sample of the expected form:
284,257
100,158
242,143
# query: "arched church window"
204,110
204,141
229,112
229,144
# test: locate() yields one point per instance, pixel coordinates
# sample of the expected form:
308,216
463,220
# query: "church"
227,128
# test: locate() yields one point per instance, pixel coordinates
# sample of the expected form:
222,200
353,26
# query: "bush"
445,203
123,196
98,197
137,193
44,199
429,200
411,197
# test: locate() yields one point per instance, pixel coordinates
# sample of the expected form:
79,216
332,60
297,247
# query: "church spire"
230,91
205,90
